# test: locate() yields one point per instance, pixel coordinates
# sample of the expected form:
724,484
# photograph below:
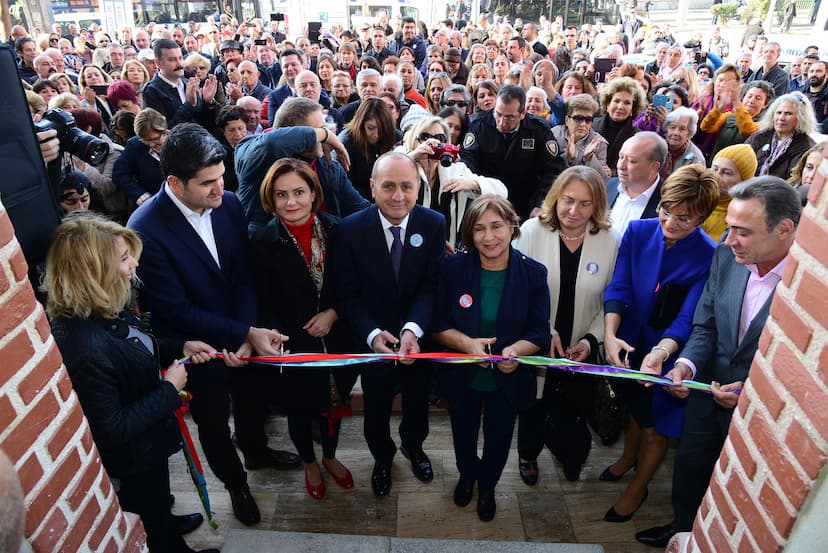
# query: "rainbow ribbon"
333,360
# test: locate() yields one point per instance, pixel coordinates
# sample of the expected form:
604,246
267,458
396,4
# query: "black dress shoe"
184,524
381,479
463,492
609,476
244,506
572,471
657,536
486,506
272,458
528,472
613,516
420,464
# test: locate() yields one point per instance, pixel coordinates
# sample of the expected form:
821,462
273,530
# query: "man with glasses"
520,151
636,192
456,96
137,172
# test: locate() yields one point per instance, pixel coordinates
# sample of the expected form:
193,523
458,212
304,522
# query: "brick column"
777,442
70,503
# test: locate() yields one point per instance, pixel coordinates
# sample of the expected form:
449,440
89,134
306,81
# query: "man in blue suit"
196,284
636,192
386,260
763,215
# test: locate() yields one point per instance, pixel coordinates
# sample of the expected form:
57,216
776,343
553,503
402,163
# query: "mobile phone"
278,16
602,67
663,100
189,72
100,89
700,57
260,42
237,37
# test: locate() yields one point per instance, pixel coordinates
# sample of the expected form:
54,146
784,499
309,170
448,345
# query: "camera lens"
446,159
88,148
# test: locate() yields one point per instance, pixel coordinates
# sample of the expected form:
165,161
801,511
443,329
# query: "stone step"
260,541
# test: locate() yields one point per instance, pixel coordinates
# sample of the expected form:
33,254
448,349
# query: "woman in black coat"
113,362
292,266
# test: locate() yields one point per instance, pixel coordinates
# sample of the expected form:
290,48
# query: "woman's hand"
570,147
176,375
579,352
208,92
191,91
89,96
660,114
591,147
456,185
425,149
613,346
508,366
199,352
652,364
320,324
557,349
233,359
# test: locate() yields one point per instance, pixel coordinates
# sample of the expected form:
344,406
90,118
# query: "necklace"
572,238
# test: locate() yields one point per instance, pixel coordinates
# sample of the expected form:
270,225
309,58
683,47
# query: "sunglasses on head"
439,137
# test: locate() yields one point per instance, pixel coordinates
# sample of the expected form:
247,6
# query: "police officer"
515,147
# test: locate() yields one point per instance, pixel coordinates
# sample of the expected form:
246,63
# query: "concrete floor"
553,511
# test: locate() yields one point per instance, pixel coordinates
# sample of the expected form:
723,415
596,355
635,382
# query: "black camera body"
446,153
73,140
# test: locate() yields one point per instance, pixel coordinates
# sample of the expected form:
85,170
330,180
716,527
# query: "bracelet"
326,136
665,350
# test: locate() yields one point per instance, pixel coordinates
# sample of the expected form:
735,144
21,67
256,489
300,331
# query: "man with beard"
411,39
817,92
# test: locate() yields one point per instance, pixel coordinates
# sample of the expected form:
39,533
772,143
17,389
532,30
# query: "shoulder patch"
552,147
468,140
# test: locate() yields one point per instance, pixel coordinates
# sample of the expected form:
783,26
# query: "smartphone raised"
663,100
602,67
100,89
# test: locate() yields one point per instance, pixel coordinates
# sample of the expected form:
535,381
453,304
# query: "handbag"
608,415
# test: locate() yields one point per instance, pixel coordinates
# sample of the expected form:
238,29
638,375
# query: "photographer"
448,185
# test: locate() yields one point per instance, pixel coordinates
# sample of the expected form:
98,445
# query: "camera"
73,140
446,153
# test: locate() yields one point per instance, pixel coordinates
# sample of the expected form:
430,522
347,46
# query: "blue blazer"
136,171
188,294
523,315
650,210
366,289
638,276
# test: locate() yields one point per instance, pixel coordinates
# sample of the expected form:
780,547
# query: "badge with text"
416,240
466,301
527,143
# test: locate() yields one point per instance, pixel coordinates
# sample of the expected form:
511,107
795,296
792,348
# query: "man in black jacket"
411,39
770,70
178,100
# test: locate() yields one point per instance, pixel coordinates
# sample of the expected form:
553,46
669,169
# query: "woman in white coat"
572,237
448,188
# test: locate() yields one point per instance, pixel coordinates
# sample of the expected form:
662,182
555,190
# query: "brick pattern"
70,503
778,438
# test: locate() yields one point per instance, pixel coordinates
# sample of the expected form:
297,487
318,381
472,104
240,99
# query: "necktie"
396,251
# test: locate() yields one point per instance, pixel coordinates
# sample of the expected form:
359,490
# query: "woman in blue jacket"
492,299
660,271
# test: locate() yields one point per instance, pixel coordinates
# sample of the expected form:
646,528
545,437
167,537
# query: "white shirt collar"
386,224
646,194
186,211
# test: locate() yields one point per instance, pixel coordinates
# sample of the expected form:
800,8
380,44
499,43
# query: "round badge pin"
592,267
466,301
416,240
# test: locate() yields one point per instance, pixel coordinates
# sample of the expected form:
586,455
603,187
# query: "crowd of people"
491,188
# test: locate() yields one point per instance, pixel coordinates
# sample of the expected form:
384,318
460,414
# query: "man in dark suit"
763,215
386,275
196,284
292,65
636,192
176,99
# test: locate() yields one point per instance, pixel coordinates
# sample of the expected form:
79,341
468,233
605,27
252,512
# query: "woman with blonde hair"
64,83
434,92
113,362
806,169
686,78
448,185
479,72
621,102
573,239
476,55
202,65
135,73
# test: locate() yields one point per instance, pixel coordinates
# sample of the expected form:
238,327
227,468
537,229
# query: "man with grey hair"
392,83
762,216
253,108
116,58
636,192
368,86
770,70
12,508
679,127
44,66
308,86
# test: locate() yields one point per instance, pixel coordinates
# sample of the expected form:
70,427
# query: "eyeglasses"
52,40
509,118
581,118
459,103
685,221
439,137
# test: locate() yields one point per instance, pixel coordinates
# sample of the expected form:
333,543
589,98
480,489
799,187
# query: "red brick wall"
70,503
777,441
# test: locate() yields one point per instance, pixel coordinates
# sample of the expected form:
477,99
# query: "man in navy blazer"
763,215
387,258
636,192
196,283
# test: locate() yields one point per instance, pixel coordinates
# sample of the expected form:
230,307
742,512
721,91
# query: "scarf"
778,148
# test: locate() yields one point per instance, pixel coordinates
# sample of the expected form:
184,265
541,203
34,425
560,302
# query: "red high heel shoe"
316,492
346,481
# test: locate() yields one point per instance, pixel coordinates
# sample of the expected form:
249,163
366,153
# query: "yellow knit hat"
742,156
